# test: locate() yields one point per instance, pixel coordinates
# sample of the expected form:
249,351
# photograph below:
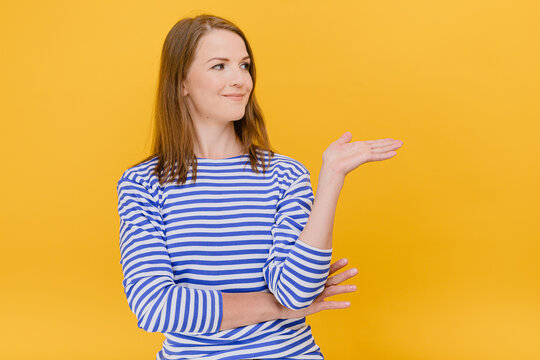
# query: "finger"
345,138
374,156
378,141
337,265
336,290
384,143
341,277
324,305
329,305
386,147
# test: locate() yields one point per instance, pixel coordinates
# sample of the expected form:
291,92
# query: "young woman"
224,249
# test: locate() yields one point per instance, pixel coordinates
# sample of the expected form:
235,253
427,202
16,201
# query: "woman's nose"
237,77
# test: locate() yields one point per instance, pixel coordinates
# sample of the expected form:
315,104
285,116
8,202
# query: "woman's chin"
237,116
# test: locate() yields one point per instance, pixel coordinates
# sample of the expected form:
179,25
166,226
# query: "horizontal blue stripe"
221,263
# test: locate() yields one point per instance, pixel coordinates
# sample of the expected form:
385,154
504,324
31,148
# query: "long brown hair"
173,127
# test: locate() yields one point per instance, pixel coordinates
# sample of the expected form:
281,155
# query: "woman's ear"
184,90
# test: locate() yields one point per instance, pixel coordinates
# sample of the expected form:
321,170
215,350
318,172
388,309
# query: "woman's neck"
217,143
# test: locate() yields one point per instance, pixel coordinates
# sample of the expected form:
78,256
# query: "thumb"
345,138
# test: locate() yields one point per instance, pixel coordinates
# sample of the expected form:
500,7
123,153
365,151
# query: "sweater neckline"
227,158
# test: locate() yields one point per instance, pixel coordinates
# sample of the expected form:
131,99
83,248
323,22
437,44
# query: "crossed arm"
241,309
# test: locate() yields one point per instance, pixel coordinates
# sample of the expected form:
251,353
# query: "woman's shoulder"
142,172
285,162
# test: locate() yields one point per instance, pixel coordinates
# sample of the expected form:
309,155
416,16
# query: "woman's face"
219,70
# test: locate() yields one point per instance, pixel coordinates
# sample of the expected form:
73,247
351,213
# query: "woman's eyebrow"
225,59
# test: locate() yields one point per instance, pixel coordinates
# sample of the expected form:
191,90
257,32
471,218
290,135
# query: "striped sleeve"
295,272
159,304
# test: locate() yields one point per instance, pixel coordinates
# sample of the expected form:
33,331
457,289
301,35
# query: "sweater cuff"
219,310
324,254
313,264
205,313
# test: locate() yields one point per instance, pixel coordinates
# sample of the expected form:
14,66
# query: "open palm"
343,156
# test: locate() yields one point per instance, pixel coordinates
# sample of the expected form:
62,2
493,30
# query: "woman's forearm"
241,309
318,229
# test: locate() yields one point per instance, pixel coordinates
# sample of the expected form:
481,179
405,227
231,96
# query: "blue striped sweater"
232,230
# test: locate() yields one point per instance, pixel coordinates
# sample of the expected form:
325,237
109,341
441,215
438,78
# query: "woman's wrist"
328,176
281,312
275,309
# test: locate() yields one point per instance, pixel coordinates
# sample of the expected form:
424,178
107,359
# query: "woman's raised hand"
343,156
331,288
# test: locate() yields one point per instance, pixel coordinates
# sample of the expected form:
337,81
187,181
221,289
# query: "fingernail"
354,270
353,287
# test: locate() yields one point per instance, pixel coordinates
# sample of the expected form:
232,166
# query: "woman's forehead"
221,44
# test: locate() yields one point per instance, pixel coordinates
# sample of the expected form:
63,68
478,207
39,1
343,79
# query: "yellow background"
445,234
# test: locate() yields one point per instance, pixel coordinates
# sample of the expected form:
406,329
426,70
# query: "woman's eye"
247,65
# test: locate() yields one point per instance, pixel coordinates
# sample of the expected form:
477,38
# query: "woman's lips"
234,97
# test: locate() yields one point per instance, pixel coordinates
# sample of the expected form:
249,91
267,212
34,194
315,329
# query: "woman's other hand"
331,288
343,156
